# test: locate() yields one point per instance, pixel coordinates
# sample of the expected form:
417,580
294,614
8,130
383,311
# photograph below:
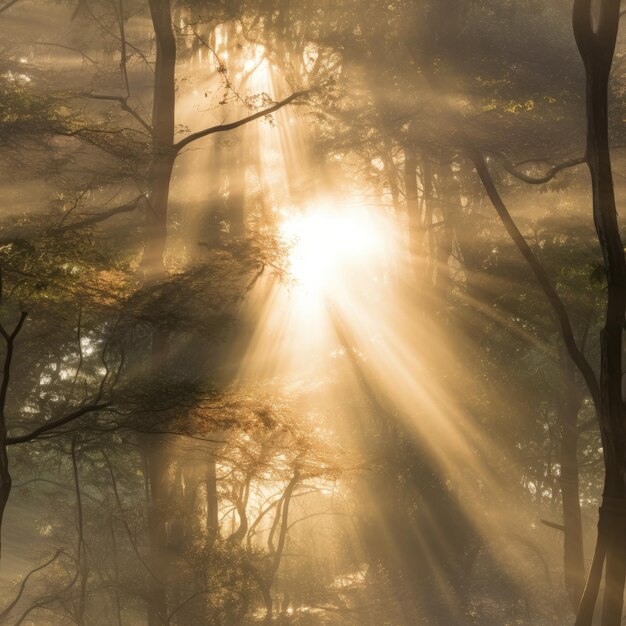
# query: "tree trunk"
413,211
449,208
157,462
5,477
212,521
237,188
573,554
157,529
596,47
163,153
156,217
163,157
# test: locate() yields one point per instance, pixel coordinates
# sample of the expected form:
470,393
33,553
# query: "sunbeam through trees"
312,313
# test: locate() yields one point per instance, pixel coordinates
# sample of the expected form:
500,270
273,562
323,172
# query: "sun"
329,247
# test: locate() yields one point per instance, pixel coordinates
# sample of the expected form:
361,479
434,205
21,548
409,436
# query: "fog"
312,313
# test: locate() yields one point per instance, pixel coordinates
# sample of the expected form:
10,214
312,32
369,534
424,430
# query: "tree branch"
8,5
539,180
64,47
61,421
284,524
15,600
232,125
6,373
123,102
555,301
100,217
553,525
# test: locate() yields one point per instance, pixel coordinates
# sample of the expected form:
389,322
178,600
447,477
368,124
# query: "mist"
312,313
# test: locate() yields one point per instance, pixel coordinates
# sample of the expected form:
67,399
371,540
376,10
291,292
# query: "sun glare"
329,248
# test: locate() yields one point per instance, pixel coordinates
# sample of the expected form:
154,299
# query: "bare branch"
6,373
123,102
109,32
127,527
100,217
539,180
232,125
15,600
61,421
284,524
555,301
123,56
553,525
8,5
64,47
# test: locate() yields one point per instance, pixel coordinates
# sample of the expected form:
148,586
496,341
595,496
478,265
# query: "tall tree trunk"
237,187
163,153
163,157
416,221
449,207
212,519
157,461
5,474
567,413
81,557
596,47
413,210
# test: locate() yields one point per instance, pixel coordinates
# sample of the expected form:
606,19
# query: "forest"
312,313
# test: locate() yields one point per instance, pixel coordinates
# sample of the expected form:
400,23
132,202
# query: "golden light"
329,248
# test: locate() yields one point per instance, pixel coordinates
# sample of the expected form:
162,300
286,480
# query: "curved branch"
15,600
220,128
548,176
100,217
9,338
123,102
61,421
64,47
284,524
540,273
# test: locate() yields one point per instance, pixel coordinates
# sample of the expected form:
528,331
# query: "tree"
596,47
